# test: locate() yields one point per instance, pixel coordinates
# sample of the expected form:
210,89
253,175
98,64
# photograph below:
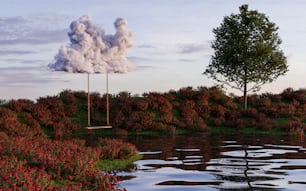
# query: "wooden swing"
107,126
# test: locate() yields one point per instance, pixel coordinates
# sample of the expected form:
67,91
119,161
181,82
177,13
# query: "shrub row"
186,108
37,164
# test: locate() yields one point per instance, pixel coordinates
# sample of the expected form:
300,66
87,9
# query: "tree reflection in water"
214,162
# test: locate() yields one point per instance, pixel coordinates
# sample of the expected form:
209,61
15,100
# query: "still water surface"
217,162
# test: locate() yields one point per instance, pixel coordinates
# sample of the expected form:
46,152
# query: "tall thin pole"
88,101
107,100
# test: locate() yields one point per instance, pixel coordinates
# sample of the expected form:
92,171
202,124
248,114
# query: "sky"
171,49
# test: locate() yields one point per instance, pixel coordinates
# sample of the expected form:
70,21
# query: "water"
217,162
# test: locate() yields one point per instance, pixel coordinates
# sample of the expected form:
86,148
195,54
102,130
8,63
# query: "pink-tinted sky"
171,43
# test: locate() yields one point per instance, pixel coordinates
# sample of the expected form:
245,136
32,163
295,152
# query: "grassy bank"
109,165
224,130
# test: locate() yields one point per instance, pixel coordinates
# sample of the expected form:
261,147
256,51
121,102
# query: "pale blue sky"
171,43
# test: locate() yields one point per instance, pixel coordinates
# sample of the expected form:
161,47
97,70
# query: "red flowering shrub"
190,117
18,175
199,123
20,105
301,111
96,117
62,156
96,101
240,124
164,128
203,111
187,104
50,113
202,99
124,102
70,110
252,100
81,95
219,121
251,123
216,94
33,125
27,164
10,125
265,102
232,115
203,90
294,124
166,117
186,93
70,102
68,97
63,128
169,96
286,110
3,136
9,122
202,107
287,94
279,110
295,103
141,104
116,149
271,111
264,123
276,98
228,123
139,120
228,103
300,96
41,114
217,111
249,113
188,113
159,102
117,118
53,103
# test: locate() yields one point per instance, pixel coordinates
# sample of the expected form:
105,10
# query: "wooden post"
107,100
88,101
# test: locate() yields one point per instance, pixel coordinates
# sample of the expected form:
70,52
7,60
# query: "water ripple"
264,163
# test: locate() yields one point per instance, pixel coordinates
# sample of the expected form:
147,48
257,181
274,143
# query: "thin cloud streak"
30,30
193,48
18,52
24,76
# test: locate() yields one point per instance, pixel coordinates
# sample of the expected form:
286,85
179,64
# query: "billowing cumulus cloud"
93,51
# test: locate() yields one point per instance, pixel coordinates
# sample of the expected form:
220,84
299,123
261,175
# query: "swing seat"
99,127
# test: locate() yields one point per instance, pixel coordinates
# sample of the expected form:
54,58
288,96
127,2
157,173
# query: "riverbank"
58,122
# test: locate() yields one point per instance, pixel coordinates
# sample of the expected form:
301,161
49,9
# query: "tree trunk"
245,96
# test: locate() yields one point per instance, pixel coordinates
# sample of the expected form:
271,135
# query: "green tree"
247,53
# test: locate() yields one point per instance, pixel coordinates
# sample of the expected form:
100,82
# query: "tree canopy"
247,52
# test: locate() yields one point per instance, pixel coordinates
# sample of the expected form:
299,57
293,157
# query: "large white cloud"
93,51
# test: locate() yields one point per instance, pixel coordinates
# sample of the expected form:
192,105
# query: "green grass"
223,130
274,131
282,121
81,116
176,113
117,164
